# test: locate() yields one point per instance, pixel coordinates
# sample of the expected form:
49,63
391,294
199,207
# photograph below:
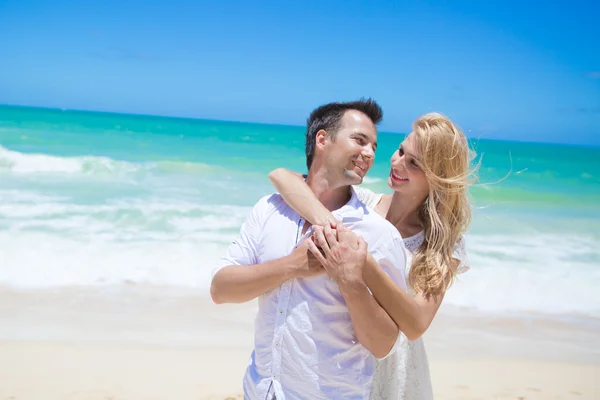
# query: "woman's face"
406,174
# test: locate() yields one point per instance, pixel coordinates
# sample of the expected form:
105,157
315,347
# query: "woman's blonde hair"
445,157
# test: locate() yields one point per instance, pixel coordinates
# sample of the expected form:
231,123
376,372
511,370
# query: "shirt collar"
353,209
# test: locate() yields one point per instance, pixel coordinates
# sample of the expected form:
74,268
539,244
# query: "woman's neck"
403,212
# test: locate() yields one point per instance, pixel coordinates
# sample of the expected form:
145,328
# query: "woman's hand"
340,251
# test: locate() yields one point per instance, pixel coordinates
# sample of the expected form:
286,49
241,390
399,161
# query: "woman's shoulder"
459,251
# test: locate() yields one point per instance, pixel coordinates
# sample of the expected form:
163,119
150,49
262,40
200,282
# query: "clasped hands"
336,250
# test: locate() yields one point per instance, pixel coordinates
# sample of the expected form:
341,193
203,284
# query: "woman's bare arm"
300,197
412,315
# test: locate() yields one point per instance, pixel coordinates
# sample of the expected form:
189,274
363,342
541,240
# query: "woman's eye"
400,152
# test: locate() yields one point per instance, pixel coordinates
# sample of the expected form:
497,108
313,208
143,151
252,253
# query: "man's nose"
369,151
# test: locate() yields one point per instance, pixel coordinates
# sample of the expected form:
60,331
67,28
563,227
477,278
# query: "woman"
429,176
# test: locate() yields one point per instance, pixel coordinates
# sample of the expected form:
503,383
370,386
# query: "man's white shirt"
305,346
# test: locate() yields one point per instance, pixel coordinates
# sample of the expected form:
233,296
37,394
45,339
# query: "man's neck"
330,195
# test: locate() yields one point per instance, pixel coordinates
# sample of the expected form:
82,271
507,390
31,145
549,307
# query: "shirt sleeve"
368,197
244,249
460,253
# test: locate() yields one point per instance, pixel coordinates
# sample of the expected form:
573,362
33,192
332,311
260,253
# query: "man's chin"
354,178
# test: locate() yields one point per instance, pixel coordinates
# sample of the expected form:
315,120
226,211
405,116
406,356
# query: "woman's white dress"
405,374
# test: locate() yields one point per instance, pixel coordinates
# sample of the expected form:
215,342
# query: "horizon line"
120,113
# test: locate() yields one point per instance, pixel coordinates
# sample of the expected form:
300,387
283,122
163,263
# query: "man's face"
350,155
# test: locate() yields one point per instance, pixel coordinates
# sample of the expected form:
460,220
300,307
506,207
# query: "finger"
312,247
333,223
330,235
362,245
320,240
344,234
316,234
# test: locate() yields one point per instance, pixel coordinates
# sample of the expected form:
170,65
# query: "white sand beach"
158,343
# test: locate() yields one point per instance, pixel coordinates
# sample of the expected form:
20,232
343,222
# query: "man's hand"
305,263
238,283
343,254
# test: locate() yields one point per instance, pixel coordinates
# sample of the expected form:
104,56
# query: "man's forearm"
241,283
374,328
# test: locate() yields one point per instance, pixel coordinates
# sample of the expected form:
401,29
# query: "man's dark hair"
329,118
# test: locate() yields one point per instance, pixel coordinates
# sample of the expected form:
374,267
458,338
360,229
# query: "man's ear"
321,138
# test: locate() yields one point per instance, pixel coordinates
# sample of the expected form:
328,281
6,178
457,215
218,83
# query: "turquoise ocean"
100,199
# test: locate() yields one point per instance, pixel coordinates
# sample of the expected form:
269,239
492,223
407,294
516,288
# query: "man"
316,337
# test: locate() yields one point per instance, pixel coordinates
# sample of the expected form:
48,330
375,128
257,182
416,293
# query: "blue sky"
509,70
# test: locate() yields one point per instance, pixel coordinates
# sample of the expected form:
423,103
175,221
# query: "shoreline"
136,342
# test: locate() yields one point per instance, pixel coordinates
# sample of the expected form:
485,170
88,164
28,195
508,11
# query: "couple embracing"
348,280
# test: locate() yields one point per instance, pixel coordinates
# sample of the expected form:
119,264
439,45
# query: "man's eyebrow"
365,137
